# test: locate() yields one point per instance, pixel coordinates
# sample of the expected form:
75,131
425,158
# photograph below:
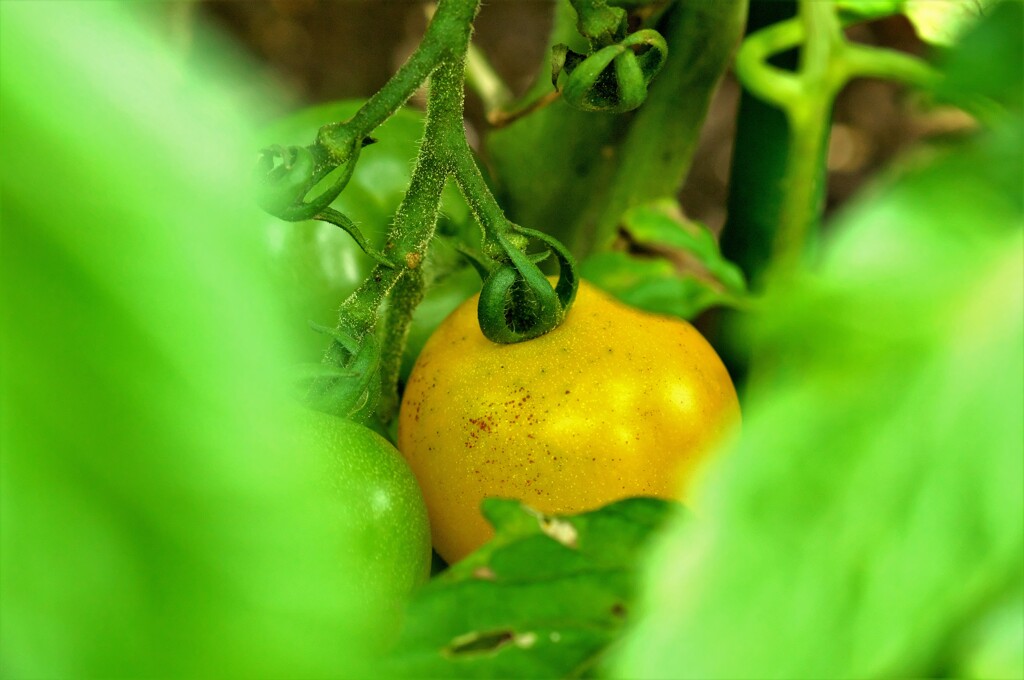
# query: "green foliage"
873,512
870,521
156,518
992,646
680,270
939,23
573,173
943,23
160,514
990,61
662,225
544,598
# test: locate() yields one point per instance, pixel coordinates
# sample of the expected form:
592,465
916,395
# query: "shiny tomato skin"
383,530
613,403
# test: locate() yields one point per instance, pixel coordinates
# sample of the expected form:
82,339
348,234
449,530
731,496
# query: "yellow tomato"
613,403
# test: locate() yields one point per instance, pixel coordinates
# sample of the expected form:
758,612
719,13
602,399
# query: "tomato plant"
868,520
314,265
613,403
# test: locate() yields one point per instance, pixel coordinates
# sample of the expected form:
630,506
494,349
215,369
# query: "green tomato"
315,265
381,515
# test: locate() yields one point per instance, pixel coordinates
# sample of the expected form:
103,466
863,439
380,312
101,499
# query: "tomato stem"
656,154
446,37
827,62
444,153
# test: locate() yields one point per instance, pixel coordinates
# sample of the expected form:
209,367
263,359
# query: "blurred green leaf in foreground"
871,521
155,519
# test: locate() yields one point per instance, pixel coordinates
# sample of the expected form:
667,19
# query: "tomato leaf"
682,272
544,598
651,283
661,225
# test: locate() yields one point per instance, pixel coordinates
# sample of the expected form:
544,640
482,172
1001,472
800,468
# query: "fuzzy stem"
447,37
442,56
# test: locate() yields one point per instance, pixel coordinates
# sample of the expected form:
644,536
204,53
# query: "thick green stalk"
827,63
802,185
656,154
416,219
759,155
823,73
402,302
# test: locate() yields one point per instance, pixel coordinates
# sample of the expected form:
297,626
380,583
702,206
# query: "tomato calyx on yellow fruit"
613,403
517,302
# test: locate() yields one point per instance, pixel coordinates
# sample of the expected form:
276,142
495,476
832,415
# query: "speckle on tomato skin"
557,421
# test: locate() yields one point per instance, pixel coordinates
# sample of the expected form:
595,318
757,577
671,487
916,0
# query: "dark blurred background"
320,50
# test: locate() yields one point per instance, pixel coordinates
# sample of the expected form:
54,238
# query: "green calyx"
350,389
285,175
613,79
517,302
360,373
